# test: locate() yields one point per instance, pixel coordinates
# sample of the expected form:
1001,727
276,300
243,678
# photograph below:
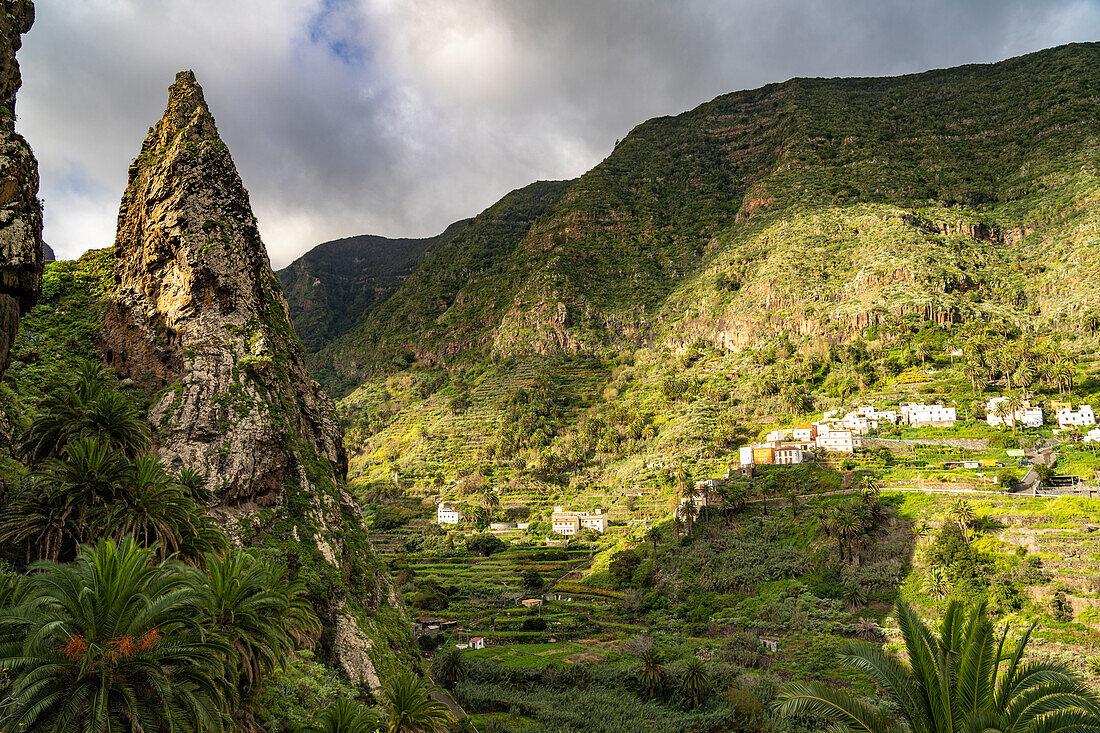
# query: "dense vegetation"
814,206
602,345
336,284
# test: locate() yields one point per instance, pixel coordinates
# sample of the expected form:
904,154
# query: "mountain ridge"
684,202
338,282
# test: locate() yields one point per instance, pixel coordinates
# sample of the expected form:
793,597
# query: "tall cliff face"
201,314
20,212
199,319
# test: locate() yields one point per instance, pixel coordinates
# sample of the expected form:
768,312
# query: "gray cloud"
399,116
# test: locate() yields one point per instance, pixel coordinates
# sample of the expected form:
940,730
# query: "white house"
570,523
805,432
1093,436
837,441
919,415
1068,418
447,513
1028,416
597,521
565,523
775,453
779,435
865,418
478,642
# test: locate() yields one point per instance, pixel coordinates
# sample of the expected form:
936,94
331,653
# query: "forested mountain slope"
814,207
336,284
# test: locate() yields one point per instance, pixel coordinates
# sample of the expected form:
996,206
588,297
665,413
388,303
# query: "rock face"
200,313
20,212
199,319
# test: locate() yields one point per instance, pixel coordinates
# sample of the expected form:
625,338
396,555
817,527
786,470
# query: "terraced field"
442,437
1064,533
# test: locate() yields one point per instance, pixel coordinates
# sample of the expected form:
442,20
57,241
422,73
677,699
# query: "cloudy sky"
398,117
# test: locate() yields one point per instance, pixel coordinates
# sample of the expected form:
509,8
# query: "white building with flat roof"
866,418
806,432
837,440
1028,416
447,513
569,523
920,415
1081,417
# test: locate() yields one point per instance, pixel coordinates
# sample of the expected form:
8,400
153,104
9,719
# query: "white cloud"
397,117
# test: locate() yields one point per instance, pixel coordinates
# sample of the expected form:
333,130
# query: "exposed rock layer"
199,319
20,212
198,310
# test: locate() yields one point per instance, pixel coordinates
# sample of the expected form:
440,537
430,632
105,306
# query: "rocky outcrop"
199,313
199,319
20,212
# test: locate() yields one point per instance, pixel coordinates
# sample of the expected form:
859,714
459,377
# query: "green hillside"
336,284
773,254
447,301
815,206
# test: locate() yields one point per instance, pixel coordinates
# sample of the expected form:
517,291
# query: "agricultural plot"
473,583
538,656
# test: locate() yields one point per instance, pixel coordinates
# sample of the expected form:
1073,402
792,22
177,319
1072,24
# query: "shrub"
532,580
485,544
822,654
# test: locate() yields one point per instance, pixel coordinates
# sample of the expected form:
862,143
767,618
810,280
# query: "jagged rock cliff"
20,212
199,319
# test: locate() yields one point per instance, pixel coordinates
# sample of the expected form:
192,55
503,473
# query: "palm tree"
448,667
1006,359
954,682
921,529
651,674
1014,405
950,347
973,372
84,408
842,525
66,499
869,488
491,501
682,474
1045,473
921,350
113,642
194,484
154,509
412,709
114,418
1001,410
346,716
960,511
792,500
794,399
1025,374
936,582
688,512
1063,374
653,534
261,613
696,679
43,520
